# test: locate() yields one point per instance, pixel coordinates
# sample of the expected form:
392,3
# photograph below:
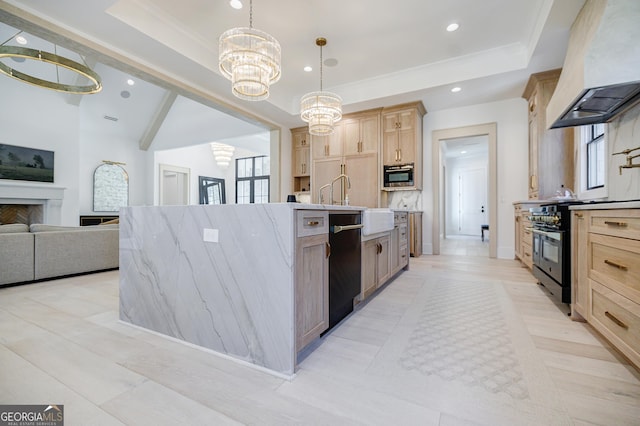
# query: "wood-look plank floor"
61,342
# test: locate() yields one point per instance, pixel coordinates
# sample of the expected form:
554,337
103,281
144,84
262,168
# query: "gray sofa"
37,252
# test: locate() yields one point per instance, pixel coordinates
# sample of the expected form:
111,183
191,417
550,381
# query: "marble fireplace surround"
47,196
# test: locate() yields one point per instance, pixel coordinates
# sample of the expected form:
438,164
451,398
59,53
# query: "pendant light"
321,109
56,62
250,58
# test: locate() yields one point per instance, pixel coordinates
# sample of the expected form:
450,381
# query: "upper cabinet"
357,148
361,134
402,137
328,146
550,151
301,154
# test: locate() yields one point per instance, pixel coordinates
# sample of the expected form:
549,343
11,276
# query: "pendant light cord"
250,13
321,68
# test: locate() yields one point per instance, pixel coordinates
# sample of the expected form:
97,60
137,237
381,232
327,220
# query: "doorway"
465,191
174,185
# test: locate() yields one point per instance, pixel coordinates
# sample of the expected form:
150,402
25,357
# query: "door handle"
327,249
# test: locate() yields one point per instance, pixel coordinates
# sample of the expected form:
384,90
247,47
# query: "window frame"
585,138
252,179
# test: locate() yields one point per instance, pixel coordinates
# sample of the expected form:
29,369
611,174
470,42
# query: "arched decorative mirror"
110,187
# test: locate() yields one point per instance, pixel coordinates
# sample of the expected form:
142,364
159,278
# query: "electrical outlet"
210,235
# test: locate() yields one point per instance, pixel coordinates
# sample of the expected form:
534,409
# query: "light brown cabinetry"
352,150
376,263
328,146
301,169
399,241
579,246
361,133
606,281
311,275
402,137
415,234
551,161
523,233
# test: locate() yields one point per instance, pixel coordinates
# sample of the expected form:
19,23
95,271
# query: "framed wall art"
21,163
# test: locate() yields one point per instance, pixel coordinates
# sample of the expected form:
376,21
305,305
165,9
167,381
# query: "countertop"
607,205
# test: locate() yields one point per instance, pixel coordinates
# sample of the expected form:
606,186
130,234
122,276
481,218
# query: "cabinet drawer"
618,223
527,255
400,217
403,255
311,222
617,318
615,262
403,237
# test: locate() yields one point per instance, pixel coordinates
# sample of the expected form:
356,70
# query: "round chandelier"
321,109
222,153
250,58
19,53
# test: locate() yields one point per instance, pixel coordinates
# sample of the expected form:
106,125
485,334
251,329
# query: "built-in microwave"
398,176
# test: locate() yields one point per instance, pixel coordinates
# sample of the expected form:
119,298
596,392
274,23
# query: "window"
593,170
595,156
252,180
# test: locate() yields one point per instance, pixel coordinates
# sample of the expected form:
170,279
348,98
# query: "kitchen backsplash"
624,133
405,200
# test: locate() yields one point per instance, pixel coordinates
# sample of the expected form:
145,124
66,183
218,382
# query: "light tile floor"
456,340
465,245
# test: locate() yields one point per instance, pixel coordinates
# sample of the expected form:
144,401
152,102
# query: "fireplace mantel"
50,197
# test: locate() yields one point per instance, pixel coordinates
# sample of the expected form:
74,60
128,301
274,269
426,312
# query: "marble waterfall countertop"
217,276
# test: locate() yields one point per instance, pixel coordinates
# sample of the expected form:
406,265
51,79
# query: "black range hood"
600,105
600,77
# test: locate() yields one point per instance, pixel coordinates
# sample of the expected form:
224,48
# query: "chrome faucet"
341,176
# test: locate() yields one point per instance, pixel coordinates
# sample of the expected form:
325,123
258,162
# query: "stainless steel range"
552,248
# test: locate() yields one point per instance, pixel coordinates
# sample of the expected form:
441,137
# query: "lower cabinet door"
312,288
370,250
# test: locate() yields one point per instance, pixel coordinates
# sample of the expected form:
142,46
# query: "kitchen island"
218,276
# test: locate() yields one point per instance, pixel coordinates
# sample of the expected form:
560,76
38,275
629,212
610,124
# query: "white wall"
512,152
622,133
96,145
199,160
38,118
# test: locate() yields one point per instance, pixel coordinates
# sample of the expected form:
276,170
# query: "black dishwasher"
344,264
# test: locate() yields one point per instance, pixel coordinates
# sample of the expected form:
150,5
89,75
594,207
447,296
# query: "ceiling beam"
156,121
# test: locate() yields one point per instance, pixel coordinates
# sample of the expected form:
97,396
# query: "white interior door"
174,185
472,193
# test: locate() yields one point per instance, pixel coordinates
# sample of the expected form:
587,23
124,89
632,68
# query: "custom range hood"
601,74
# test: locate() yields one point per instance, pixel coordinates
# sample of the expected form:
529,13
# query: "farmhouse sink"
377,220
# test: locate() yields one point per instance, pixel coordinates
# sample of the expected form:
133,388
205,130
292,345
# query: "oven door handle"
553,235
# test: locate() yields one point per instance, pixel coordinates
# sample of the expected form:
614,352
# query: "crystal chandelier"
250,58
321,109
222,153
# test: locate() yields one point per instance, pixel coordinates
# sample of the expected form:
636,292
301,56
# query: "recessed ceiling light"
455,89
308,69
463,152
21,40
236,4
130,82
452,27
125,94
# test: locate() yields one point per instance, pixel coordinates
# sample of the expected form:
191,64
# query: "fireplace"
28,203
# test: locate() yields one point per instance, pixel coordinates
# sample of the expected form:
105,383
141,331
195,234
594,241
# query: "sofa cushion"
13,228
41,227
